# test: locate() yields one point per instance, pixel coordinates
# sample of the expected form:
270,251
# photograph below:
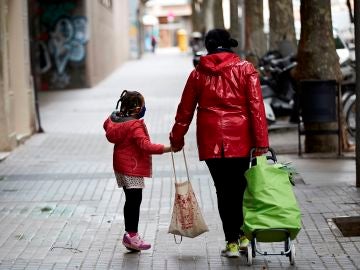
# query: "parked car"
342,49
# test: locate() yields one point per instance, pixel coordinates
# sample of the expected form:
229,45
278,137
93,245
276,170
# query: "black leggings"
133,198
230,184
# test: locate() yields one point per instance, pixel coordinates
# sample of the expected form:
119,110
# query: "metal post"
357,57
37,110
35,78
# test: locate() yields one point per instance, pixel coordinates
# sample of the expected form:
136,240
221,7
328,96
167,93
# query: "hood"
115,117
217,62
118,131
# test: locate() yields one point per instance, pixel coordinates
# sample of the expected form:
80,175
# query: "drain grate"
349,226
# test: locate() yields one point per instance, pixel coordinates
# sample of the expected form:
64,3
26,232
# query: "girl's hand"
167,149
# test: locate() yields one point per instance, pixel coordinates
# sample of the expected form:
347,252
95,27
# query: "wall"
19,71
77,43
59,35
7,130
108,46
72,44
17,113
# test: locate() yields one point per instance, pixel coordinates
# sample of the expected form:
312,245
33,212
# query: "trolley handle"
272,157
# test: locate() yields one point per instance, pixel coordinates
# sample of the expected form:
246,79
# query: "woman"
230,121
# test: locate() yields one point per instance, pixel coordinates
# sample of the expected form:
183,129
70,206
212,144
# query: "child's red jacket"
133,148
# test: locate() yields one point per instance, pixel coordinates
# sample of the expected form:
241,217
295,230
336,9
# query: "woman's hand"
174,149
168,149
179,145
261,150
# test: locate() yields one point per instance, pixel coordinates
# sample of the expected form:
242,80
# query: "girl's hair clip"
123,94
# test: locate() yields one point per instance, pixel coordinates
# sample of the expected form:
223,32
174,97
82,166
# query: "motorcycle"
197,47
277,86
348,96
196,57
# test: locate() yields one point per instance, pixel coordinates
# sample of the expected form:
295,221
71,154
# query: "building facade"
76,43
54,45
170,16
17,106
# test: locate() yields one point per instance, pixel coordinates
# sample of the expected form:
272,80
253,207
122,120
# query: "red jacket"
230,111
133,148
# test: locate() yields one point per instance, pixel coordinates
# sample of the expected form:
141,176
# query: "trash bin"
319,102
182,40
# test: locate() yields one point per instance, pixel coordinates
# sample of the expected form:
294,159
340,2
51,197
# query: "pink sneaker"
135,243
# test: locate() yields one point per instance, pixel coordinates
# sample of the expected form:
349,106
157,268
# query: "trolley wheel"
249,255
292,254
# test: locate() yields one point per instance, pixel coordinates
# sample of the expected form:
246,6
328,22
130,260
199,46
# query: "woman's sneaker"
231,250
243,243
135,243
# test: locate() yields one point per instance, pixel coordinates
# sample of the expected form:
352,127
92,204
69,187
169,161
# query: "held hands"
180,144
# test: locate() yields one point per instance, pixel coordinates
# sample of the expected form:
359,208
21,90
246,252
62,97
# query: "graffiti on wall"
60,45
67,43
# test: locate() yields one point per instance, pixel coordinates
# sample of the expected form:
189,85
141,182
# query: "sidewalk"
60,207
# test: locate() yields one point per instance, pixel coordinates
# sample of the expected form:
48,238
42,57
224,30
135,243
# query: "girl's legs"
131,239
133,198
230,184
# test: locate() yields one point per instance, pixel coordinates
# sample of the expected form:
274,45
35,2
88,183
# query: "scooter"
348,96
267,93
278,87
348,81
197,47
196,57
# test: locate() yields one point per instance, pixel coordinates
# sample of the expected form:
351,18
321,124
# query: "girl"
131,160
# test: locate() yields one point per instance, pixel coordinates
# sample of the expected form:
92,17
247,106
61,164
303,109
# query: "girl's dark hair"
130,100
219,38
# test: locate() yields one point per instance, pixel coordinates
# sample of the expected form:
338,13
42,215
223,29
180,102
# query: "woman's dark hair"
130,100
219,38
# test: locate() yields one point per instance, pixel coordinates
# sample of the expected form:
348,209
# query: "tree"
234,23
197,16
350,11
255,40
202,17
281,24
218,14
208,6
317,59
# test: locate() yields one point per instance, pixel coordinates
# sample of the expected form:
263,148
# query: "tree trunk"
350,11
196,16
234,23
282,30
255,40
317,59
218,14
208,7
